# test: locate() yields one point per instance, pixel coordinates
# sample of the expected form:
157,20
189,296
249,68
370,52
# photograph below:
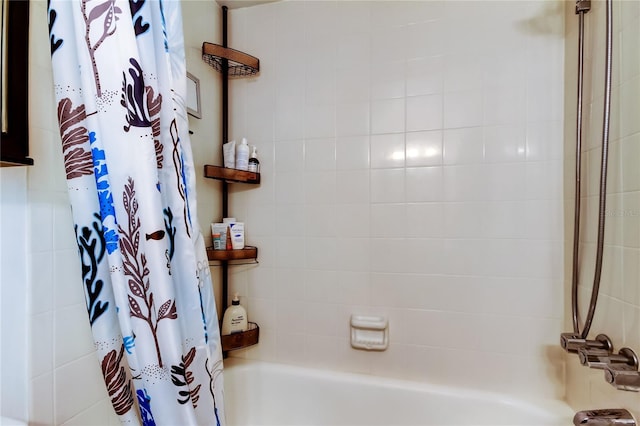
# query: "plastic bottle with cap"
235,318
242,155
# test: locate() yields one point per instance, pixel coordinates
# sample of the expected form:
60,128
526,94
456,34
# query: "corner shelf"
231,342
231,175
230,63
237,64
248,252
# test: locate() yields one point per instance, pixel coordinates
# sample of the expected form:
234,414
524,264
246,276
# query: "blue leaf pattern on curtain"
120,86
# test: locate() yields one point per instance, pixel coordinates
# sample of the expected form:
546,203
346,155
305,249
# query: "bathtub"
259,393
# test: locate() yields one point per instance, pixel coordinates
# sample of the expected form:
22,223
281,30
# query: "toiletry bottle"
229,154
254,164
235,318
242,155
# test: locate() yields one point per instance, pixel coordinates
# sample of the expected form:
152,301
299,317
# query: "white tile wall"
437,203
618,312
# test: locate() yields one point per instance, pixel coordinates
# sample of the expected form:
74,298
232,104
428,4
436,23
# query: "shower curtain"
120,86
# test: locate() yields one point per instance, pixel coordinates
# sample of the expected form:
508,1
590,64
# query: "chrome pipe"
578,176
603,170
583,6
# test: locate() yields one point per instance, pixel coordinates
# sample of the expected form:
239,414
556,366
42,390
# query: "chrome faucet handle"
606,417
624,376
573,342
600,358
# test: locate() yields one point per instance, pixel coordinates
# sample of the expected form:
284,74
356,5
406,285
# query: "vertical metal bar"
225,139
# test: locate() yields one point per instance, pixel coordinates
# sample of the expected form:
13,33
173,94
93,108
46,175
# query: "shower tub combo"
260,393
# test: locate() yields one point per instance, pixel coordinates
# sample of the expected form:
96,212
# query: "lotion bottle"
242,155
235,318
254,164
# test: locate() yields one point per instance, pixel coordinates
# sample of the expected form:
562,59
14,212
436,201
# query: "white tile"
506,181
290,118
289,156
290,220
42,289
463,72
387,220
388,80
354,50
465,183
352,254
424,184
463,146
352,220
352,187
425,39
319,121
387,186
290,285
352,119
464,219
424,148
67,278
320,187
41,344
289,188
387,151
42,400
317,284
425,220
320,220
504,143
352,153
388,44
353,84
290,252
290,317
321,319
41,218
424,112
544,141
388,116
320,253
504,105
354,288
463,109
72,334
425,76
77,385
320,154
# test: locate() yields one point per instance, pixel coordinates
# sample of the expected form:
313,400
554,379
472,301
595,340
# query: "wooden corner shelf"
241,340
231,175
248,252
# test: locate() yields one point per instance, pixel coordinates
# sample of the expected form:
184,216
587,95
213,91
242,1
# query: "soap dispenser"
235,318
254,163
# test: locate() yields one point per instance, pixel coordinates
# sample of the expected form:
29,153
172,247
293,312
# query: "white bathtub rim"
524,403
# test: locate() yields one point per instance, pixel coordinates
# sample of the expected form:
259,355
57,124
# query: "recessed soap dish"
370,333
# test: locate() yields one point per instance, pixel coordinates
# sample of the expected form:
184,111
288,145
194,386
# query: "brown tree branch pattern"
109,13
77,158
118,385
141,299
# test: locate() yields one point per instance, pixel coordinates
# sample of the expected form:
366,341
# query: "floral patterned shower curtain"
120,85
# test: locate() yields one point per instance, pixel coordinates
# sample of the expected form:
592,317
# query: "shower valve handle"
572,342
601,359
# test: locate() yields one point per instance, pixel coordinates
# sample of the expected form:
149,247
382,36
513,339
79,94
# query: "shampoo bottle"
235,318
254,164
242,155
